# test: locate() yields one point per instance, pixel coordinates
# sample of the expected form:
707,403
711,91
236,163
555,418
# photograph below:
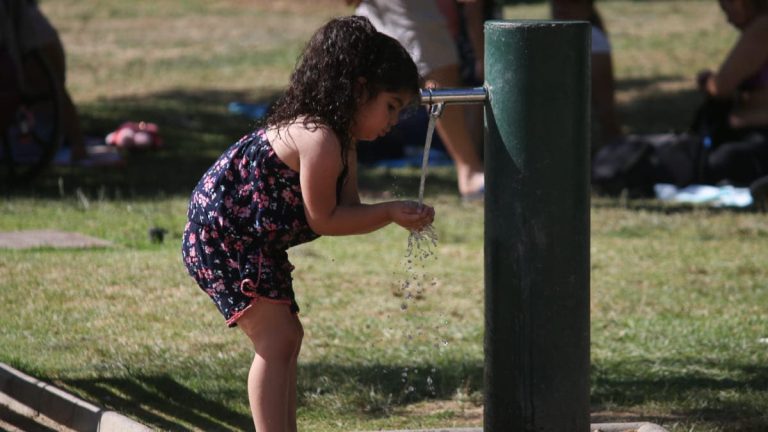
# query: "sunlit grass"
678,323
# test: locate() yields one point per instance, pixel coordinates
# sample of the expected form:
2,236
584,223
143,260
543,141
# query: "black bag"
10,94
709,153
637,162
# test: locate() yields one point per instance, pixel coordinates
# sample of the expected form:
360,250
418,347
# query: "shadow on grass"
375,390
369,391
196,127
162,403
733,398
656,111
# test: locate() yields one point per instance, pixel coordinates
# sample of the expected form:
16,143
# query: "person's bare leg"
275,334
452,128
292,376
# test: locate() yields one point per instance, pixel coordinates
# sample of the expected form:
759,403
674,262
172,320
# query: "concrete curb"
626,427
62,407
595,427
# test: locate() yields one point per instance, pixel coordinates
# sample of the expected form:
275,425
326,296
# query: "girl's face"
738,12
375,116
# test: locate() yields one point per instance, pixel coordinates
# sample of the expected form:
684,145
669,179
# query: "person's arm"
320,166
746,58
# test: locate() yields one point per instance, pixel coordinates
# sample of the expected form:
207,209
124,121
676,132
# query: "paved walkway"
48,238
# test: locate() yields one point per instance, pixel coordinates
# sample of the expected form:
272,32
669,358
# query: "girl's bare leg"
291,414
276,335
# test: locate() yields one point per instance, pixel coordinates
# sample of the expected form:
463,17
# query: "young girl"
290,182
739,88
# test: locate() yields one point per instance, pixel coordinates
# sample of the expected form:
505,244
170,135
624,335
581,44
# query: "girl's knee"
294,334
273,330
282,344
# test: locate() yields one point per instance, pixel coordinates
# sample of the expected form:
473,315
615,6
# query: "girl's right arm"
320,165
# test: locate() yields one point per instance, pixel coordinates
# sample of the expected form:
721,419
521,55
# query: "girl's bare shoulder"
313,137
301,142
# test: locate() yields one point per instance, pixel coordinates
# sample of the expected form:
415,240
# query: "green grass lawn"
679,324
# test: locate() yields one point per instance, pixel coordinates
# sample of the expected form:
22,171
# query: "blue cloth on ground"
254,111
718,196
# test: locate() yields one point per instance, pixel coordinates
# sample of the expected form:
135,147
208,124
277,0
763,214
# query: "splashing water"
422,238
419,250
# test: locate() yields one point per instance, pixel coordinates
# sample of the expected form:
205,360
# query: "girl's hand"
412,216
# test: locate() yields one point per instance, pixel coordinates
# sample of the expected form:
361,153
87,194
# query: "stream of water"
419,250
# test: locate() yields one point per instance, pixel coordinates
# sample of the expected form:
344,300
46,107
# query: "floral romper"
244,214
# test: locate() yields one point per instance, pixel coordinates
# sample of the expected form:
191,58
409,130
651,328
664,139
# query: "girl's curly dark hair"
325,87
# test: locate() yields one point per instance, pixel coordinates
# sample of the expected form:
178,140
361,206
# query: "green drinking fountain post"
537,226
536,98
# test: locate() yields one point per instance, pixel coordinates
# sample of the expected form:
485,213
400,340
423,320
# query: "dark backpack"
9,88
637,162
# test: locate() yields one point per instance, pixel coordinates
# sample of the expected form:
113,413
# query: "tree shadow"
21,422
654,110
161,402
375,390
630,383
385,386
195,126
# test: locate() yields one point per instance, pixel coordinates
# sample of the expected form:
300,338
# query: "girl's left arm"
327,214
349,192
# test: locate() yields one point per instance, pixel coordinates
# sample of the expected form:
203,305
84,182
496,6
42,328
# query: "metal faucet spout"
431,96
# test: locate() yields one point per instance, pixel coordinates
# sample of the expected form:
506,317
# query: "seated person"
35,32
740,154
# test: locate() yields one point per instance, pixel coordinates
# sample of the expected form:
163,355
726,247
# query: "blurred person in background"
422,28
26,29
734,118
607,129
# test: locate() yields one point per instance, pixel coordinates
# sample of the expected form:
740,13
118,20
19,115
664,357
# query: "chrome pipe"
430,96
